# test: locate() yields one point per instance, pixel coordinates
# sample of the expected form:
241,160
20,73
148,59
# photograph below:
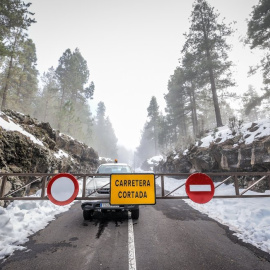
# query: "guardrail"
43,178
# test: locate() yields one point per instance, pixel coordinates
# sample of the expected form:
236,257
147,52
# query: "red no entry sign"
62,189
200,188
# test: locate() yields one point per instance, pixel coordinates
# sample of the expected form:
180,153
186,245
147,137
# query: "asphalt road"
168,235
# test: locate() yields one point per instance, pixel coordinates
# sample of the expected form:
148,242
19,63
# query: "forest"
197,96
198,99
59,96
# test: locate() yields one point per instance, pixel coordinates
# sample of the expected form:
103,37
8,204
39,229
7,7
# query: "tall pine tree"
73,74
105,140
153,115
14,15
258,36
206,40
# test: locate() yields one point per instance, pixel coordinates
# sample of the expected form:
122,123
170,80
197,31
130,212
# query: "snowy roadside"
249,218
21,219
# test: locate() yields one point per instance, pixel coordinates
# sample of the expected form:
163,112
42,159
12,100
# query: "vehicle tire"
135,214
87,214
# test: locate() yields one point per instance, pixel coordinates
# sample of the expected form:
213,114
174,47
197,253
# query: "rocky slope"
30,146
246,149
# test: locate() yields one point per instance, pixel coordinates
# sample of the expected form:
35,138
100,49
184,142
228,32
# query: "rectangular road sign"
132,189
200,188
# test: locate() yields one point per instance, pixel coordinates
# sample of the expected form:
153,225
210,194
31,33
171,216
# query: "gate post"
43,186
2,188
162,186
236,185
84,186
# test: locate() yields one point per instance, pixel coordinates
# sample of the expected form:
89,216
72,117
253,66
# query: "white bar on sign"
195,188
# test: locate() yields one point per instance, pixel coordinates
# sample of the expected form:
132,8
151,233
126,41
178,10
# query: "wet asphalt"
168,235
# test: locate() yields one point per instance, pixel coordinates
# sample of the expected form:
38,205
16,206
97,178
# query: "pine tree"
258,36
27,87
146,149
15,18
191,83
251,101
19,78
164,141
177,105
110,139
153,114
47,105
73,74
105,140
206,41
14,15
259,25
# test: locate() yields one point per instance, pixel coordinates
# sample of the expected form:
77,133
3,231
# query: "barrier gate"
43,179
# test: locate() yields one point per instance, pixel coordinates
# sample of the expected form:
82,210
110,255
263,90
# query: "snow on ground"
224,133
249,218
21,219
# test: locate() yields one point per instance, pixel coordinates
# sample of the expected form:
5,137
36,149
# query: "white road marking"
195,188
131,244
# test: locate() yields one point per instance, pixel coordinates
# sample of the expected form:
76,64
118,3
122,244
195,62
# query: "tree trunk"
45,110
5,90
211,76
59,126
214,93
193,111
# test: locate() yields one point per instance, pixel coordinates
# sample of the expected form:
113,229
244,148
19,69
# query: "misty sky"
132,48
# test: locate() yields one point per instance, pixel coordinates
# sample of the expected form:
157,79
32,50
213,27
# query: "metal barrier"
229,176
44,178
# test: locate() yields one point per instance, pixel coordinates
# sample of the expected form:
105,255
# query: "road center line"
131,244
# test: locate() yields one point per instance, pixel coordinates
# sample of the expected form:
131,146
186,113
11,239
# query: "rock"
230,159
203,162
230,156
260,158
7,189
253,127
15,169
244,159
19,154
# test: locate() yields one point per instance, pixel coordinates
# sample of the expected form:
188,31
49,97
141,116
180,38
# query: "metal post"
27,188
84,186
162,186
236,185
43,186
2,190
